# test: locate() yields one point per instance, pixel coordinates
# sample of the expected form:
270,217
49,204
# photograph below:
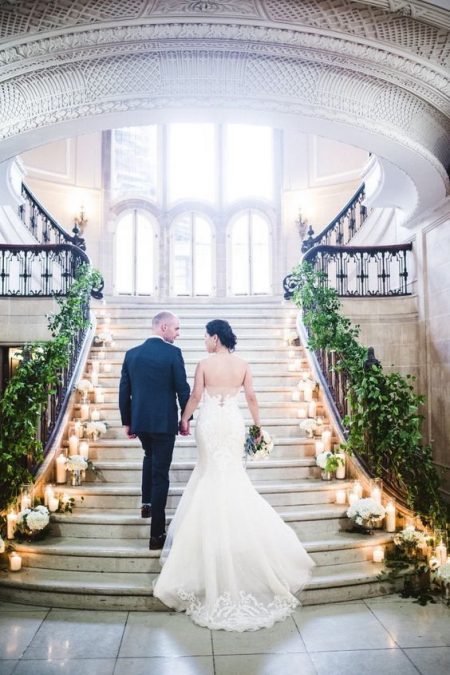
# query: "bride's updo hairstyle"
223,331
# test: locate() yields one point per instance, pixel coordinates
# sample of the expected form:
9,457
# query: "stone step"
133,591
195,341
261,378
101,452
119,471
127,524
281,493
132,555
259,359
192,323
196,331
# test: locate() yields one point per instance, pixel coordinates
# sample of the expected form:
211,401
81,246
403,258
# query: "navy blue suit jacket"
153,377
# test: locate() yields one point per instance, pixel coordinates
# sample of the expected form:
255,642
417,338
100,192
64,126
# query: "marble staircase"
98,557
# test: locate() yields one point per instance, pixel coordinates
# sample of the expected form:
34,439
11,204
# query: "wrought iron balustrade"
343,227
41,270
44,228
359,271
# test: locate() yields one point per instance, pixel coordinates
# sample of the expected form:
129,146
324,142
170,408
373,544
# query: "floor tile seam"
121,639
48,611
213,656
299,631
382,624
412,662
354,649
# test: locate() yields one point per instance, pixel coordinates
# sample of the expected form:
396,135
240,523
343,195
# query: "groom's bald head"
166,325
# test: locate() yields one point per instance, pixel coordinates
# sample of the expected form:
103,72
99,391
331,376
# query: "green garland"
35,378
384,426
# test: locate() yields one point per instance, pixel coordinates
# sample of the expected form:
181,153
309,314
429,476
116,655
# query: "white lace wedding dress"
229,560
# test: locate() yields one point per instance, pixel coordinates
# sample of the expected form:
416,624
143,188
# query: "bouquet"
105,338
365,512
309,426
32,523
258,444
328,461
76,463
322,460
95,429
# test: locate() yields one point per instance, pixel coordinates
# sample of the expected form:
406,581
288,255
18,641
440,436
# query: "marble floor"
387,636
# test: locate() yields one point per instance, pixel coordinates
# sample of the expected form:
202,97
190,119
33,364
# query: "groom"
153,377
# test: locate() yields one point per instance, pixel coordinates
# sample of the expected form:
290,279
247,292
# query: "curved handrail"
49,222
348,211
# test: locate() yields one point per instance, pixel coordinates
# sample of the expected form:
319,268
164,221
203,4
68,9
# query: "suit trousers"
158,449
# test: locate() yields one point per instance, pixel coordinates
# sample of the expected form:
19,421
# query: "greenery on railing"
384,425
35,379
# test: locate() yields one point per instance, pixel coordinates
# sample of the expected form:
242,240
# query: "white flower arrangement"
94,429
76,463
83,386
365,510
105,337
309,426
31,521
443,572
322,458
410,537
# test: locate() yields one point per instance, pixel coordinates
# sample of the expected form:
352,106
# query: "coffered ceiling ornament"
379,65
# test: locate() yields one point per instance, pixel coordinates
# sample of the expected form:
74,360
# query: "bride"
229,560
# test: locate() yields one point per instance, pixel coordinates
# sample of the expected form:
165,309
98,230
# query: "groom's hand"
184,428
127,431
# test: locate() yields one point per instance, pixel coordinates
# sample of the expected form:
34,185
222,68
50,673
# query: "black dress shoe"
146,511
156,543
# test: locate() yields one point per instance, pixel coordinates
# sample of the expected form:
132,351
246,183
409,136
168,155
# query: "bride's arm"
251,397
194,398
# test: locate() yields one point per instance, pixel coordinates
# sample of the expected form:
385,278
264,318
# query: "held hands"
127,431
184,428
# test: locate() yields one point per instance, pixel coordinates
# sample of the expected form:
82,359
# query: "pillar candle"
25,502
291,353
78,429
390,517
301,412
99,395
107,367
358,489
11,520
48,492
341,497
94,378
73,444
378,554
307,392
95,415
319,446
376,494
101,354
15,562
441,553
326,439
61,469
53,504
340,471
2,545
352,498
296,395
312,409
84,449
84,411
95,367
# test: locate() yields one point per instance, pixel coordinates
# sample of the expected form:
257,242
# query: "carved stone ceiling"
381,66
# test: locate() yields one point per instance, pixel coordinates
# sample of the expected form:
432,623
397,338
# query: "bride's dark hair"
223,331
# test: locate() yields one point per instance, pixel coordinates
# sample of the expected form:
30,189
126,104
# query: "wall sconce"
80,221
302,224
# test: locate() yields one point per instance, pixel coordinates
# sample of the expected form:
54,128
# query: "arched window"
135,254
192,256
250,257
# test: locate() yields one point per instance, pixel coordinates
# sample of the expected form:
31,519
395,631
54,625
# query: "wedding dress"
229,560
